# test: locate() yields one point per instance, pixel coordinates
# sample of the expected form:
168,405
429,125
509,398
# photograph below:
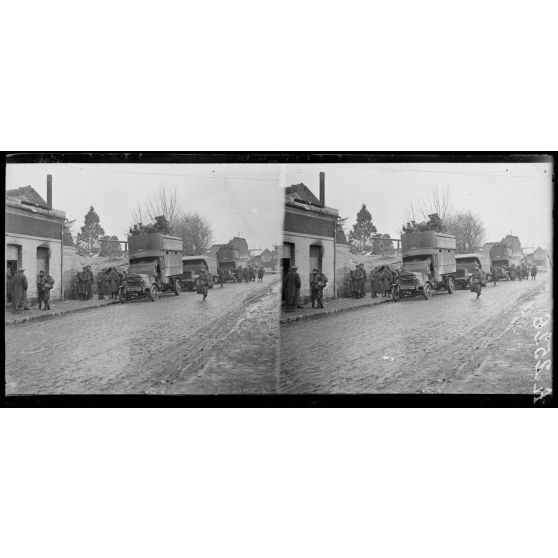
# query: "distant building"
540,257
309,230
33,237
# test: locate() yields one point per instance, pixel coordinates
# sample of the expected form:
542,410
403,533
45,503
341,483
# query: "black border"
280,400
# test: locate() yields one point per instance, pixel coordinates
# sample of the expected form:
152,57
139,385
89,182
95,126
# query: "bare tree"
468,230
438,201
196,233
163,202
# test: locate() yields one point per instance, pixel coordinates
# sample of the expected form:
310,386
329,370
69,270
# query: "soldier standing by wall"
44,285
82,284
19,291
292,287
88,282
363,281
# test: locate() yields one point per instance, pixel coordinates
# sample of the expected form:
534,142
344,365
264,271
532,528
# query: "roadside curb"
330,312
41,317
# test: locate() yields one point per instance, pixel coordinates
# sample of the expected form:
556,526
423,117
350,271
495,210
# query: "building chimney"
322,188
49,191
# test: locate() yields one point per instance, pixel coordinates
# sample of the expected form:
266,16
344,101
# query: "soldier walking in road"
203,282
534,272
317,283
19,292
292,287
260,274
476,281
355,282
239,274
246,275
493,274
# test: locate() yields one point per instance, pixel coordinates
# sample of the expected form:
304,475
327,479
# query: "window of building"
315,258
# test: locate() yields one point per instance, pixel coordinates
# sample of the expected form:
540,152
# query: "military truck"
227,260
428,265
190,270
502,259
465,265
155,266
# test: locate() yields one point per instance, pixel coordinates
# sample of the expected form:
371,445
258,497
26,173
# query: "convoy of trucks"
502,259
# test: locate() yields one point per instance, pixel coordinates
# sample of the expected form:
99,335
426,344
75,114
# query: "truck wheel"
177,288
427,291
153,293
451,285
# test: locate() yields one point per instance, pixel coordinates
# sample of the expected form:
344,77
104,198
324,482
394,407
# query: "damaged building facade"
33,237
309,238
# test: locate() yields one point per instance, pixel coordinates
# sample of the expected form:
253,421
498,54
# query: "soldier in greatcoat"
82,284
373,293
355,282
246,274
203,282
113,283
292,288
260,274
363,281
476,281
239,274
386,282
88,282
101,284
534,272
19,292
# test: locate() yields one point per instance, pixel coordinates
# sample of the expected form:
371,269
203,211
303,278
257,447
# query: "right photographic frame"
418,274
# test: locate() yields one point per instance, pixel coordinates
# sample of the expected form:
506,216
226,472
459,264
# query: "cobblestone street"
449,344
176,345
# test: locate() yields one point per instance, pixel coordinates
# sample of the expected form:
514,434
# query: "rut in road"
207,339
471,355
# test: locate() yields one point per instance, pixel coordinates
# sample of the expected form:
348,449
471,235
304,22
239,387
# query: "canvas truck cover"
155,242
426,241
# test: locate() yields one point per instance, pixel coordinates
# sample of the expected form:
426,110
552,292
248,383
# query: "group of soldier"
521,271
108,281
17,285
381,279
248,274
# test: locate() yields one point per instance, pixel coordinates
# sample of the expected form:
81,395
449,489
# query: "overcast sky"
507,197
240,200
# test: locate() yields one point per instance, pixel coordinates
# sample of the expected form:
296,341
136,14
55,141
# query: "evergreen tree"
88,237
363,229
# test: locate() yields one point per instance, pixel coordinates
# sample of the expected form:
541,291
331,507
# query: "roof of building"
26,193
302,193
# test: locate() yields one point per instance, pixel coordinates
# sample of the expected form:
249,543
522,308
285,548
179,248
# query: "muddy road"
449,344
176,345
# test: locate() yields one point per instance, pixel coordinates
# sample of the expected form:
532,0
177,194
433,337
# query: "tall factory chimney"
49,191
322,188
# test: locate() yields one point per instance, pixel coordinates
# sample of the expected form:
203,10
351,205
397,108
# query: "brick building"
33,237
309,236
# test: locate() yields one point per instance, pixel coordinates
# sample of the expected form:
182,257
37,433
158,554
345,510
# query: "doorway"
43,260
315,258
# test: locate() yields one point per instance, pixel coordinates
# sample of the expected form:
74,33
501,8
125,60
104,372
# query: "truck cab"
465,265
190,270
